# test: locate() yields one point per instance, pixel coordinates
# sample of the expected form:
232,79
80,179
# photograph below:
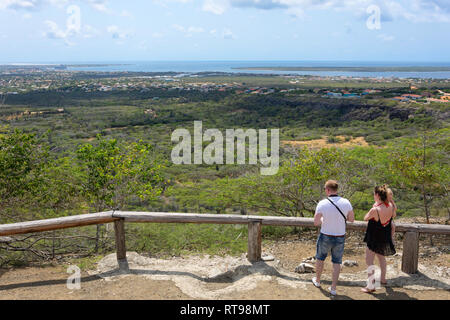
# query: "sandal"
367,290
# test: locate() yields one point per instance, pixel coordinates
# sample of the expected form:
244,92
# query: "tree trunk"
427,210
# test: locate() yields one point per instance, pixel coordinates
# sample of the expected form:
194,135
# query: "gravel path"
204,277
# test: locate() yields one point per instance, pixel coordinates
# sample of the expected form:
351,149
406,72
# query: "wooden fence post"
410,258
121,250
254,240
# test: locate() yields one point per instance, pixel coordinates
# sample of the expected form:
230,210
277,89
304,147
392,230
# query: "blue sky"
102,30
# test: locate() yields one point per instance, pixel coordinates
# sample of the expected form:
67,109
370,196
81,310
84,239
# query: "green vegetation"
74,148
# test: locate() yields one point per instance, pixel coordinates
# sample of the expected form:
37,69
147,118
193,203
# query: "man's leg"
336,258
336,272
321,254
319,269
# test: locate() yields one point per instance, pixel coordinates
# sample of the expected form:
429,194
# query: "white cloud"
118,34
89,31
189,31
33,5
126,14
179,28
19,4
386,37
100,5
54,31
69,34
410,10
215,6
157,35
228,34
195,30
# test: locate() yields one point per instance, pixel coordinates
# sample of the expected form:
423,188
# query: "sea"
231,67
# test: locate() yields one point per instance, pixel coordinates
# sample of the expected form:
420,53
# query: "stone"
268,258
304,268
350,263
310,260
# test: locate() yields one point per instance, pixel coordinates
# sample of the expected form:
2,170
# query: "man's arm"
351,216
318,219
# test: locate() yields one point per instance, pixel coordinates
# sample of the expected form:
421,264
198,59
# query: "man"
331,214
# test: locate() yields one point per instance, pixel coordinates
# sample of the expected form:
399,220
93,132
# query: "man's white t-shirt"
333,223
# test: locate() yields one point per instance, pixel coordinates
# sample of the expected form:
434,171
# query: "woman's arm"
394,214
370,214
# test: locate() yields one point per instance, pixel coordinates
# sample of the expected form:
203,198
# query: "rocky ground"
205,277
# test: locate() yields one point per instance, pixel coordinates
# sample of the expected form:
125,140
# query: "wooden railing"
410,255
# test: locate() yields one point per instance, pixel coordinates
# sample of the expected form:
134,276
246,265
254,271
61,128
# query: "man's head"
331,187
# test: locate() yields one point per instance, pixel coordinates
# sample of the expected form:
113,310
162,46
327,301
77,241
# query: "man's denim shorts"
326,243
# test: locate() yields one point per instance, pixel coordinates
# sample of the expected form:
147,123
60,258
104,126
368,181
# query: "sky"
45,31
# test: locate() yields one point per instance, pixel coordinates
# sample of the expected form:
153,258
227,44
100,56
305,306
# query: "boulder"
350,263
304,268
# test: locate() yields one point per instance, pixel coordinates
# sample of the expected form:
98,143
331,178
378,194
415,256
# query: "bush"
333,139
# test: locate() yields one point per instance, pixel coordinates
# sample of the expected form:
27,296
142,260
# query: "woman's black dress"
379,238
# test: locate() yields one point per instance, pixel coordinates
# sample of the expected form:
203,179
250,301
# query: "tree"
60,192
422,164
296,188
22,160
113,174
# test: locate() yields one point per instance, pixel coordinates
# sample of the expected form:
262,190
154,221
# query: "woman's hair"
382,192
389,192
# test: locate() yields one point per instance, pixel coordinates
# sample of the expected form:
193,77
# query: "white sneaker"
332,291
316,284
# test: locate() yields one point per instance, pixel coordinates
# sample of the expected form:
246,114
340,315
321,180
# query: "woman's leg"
382,261
370,257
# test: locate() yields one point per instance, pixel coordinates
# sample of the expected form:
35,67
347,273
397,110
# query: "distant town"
21,79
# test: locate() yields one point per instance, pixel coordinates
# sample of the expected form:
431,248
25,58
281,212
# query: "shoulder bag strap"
338,209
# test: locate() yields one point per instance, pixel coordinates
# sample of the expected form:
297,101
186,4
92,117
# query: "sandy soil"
322,143
204,277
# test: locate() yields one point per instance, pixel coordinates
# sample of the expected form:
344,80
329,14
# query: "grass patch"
86,263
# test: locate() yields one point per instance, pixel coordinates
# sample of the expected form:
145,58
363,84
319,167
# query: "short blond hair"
332,185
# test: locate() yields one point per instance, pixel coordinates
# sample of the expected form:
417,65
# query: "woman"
378,234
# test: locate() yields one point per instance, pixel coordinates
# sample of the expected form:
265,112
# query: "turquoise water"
229,66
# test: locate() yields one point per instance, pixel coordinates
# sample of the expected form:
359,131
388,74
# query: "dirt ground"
205,277
322,143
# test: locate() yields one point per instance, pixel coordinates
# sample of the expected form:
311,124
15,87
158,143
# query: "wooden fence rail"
410,241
